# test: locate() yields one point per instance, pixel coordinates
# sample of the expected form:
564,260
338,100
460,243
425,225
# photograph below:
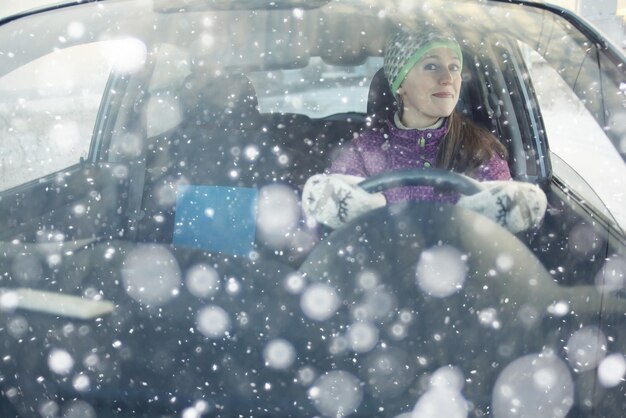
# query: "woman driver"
423,69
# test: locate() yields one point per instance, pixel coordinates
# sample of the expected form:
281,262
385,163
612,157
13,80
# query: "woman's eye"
430,67
454,67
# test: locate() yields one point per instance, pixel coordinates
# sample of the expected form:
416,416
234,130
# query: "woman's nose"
445,76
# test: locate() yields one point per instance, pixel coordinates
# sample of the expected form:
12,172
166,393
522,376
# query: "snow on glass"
443,397
75,30
81,382
18,325
585,348
441,271
279,354
612,370
320,301
198,410
127,56
377,303
534,386
294,283
202,280
336,394
278,215
72,409
79,409
612,277
151,275
362,336
213,322
60,361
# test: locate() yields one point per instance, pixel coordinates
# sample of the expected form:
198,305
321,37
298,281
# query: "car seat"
204,177
380,101
220,119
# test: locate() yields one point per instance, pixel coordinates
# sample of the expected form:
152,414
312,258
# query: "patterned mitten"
515,205
335,199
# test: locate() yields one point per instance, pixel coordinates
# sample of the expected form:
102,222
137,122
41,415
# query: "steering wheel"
426,276
435,177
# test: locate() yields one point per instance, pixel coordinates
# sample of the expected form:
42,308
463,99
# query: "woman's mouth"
444,95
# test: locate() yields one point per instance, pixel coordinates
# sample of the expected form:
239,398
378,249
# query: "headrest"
380,100
212,99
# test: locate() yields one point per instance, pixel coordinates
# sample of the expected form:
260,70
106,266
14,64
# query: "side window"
48,108
578,140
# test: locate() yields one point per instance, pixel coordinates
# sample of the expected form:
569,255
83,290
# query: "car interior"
221,148
223,140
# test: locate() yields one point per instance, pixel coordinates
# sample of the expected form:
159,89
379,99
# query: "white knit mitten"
335,199
515,205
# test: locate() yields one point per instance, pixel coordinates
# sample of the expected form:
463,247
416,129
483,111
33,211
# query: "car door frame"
86,200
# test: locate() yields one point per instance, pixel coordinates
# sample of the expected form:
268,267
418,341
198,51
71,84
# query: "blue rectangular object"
216,218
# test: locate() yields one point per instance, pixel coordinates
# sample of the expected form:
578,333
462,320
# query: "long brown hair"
467,146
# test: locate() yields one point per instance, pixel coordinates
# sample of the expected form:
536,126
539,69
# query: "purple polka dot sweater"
374,152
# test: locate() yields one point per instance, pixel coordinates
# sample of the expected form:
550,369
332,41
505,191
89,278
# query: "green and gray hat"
406,48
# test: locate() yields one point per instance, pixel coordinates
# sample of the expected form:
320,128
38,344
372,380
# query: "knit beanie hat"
406,48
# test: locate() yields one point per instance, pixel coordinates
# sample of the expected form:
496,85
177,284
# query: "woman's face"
431,88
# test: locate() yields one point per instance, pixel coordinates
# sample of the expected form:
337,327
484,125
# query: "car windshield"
156,261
